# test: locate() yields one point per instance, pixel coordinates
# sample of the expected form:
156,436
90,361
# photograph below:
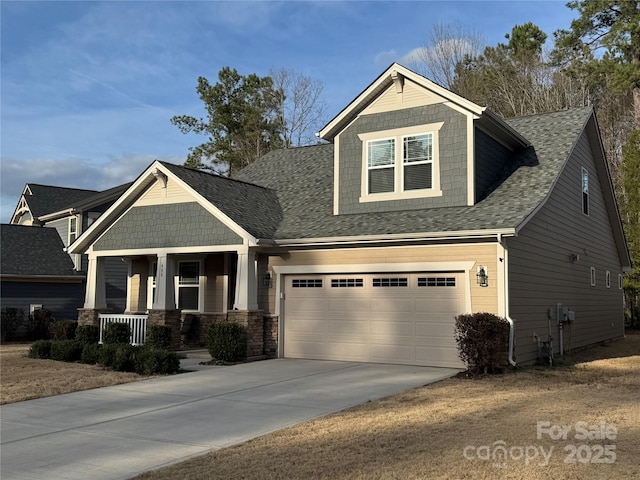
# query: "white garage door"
385,318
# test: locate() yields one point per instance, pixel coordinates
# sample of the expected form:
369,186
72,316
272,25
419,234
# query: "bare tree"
446,46
301,108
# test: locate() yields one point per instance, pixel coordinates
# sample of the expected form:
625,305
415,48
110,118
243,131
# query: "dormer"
408,143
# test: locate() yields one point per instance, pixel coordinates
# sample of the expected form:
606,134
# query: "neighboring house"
423,206
69,212
45,278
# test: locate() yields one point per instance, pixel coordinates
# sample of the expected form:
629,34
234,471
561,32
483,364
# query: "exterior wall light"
267,280
483,278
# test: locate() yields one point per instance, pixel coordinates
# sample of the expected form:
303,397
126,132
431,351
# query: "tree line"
596,62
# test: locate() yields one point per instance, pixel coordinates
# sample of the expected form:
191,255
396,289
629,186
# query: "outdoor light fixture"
483,278
266,280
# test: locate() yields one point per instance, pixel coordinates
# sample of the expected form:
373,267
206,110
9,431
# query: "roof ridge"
61,188
564,110
212,174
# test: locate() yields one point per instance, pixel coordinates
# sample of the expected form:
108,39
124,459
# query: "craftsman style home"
420,206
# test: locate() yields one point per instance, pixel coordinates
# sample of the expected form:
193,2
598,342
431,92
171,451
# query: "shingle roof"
303,179
49,199
30,251
255,208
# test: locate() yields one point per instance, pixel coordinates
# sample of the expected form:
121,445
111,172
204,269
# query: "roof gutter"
399,237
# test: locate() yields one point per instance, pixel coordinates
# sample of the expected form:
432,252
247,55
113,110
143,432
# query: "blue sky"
88,88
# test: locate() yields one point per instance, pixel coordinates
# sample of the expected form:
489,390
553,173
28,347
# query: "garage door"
386,318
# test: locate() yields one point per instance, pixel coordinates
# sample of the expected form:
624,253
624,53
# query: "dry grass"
23,378
422,433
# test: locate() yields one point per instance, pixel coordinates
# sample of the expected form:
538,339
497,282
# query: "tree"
631,220
611,27
300,107
242,123
447,46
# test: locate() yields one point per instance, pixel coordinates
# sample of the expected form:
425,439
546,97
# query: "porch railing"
137,325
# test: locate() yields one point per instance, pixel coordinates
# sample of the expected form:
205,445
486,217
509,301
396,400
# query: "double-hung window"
401,163
188,285
585,191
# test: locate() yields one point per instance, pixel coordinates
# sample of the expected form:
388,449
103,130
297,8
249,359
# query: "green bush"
39,323
158,336
118,356
152,361
90,353
64,330
227,341
12,320
40,349
66,350
88,334
116,333
483,341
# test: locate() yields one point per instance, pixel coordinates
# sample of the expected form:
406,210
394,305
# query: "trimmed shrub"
227,341
152,361
40,349
64,330
12,320
39,323
116,333
90,353
66,350
158,336
88,334
118,356
483,341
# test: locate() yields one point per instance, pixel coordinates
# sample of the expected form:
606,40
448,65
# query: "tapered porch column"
246,282
165,298
95,296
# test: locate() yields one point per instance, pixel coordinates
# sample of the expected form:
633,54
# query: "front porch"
188,292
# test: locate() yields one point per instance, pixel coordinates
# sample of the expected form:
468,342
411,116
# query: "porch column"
165,288
246,282
95,296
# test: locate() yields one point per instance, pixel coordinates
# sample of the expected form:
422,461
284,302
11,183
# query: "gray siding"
543,275
453,158
173,225
491,158
62,226
61,299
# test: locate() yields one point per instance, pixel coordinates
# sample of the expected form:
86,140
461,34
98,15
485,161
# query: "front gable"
406,144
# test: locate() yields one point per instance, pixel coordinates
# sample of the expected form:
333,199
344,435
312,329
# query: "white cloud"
386,58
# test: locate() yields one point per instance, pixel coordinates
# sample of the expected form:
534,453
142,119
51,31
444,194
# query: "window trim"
585,191
607,279
593,276
199,285
620,281
399,134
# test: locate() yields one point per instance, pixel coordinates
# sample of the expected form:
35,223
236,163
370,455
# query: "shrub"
12,319
64,330
40,349
116,333
483,340
118,356
90,353
158,336
151,361
66,350
39,323
88,334
226,341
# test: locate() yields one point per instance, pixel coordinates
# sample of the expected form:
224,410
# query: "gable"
174,225
410,95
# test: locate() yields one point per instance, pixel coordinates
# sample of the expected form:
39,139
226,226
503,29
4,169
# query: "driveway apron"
118,432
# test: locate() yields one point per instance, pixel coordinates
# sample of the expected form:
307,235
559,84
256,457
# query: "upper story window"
585,191
401,163
73,229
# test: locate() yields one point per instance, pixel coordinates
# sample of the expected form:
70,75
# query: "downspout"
505,275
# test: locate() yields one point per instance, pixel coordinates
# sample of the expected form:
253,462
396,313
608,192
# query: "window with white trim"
73,229
593,276
347,282
401,163
390,282
307,283
607,279
585,191
620,282
189,285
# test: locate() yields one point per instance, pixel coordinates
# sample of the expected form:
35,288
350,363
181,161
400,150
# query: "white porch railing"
137,324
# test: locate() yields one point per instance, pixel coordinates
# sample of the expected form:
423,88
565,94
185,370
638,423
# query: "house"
65,212
43,279
421,206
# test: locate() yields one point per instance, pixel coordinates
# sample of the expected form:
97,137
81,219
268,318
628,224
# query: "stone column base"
90,316
170,318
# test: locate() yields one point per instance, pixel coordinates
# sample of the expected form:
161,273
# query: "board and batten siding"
482,299
542,273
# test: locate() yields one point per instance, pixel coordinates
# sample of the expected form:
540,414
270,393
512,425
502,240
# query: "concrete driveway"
118,432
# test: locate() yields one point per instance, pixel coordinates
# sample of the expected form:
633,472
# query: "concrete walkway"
118,432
